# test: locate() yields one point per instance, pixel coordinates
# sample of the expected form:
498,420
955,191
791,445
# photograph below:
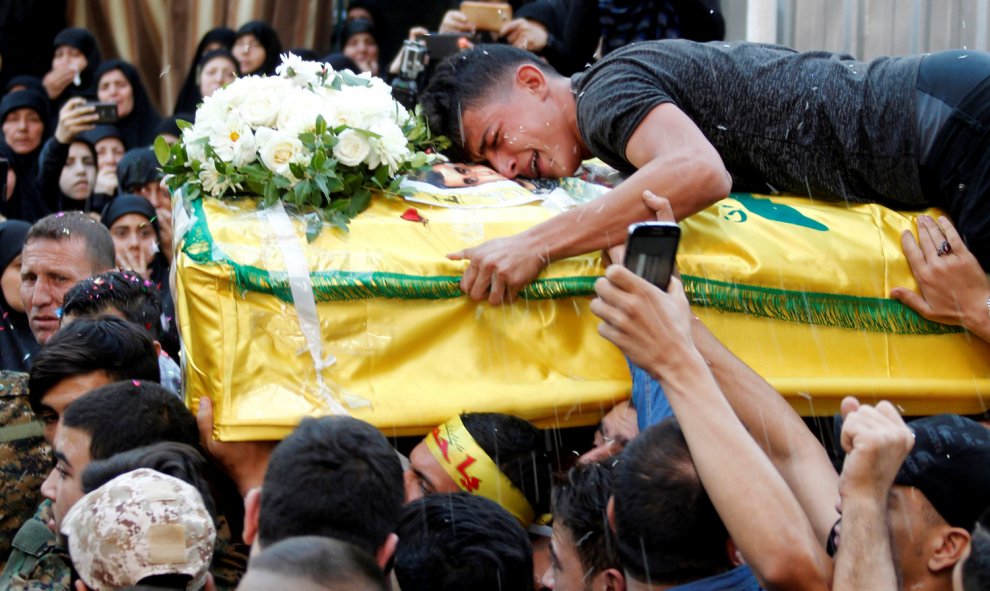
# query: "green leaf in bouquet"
194,192
271,192
382,176
419,160
321,183
297,170
308,139
359,201
302,191
319,159
337,83
182,124
321,125
314,225
339,204
281,182
329,140
352,80
367,133
162,150
405,192
337,220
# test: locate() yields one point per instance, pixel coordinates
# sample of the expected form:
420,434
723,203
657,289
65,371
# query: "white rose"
390,149
279,149
352,148
257,100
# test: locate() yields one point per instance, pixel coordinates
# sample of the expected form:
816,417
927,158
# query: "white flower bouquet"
309,136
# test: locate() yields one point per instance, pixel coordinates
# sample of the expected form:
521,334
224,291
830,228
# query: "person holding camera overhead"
68,161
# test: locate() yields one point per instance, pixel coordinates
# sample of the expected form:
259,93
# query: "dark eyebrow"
424,478
60,457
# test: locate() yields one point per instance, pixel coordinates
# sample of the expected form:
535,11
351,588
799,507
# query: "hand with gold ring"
953,288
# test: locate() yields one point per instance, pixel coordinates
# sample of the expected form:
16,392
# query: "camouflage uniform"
25,458
39,562
230,558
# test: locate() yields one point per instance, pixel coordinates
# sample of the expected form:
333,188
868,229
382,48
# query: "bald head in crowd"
60,250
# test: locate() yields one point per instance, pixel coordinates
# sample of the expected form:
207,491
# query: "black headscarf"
84,41
189,95
101,132
268,39
25,204
339,61
17,344
138,167
56,200
170,126
138,128
125,204
28,99
353,27
29,82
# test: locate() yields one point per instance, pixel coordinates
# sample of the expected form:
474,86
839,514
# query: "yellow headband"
471,468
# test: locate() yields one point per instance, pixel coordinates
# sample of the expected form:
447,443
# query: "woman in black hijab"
118,82
128,218
22,197
21,112
257,48
77,56
17,343
189,96
25,82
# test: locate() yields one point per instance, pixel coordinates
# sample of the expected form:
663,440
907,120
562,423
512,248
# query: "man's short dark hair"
666,526
976,569
335,477
461,541
124,415
324,561
580,503
518,449
76,224
179,460
135,297
107,343
464,79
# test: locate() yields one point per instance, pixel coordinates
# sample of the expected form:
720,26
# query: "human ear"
386,551
614,580
252,509
531,78
955,543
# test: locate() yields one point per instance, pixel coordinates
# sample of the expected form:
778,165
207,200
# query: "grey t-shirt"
818,124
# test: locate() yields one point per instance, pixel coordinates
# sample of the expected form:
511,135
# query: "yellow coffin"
795,288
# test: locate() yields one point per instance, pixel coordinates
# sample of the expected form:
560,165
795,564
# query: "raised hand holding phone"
650,251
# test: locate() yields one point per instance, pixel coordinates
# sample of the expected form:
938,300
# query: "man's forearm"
779,431
763,516
604,222
864,560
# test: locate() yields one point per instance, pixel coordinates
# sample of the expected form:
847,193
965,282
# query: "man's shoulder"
13,384
25,458
37,561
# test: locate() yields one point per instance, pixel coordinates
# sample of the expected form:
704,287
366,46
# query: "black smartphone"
107,112
650,251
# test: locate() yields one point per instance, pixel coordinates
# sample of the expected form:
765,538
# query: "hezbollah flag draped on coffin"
283,314
286,312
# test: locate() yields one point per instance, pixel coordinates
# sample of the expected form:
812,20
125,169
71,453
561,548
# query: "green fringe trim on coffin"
815,308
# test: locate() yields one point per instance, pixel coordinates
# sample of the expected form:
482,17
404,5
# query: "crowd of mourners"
705,479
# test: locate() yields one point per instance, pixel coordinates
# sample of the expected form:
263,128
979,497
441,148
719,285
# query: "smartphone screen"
650,251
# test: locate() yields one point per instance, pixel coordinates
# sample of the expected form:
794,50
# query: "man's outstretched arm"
673,158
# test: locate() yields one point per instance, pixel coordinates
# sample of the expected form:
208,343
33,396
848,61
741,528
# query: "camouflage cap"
140,524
